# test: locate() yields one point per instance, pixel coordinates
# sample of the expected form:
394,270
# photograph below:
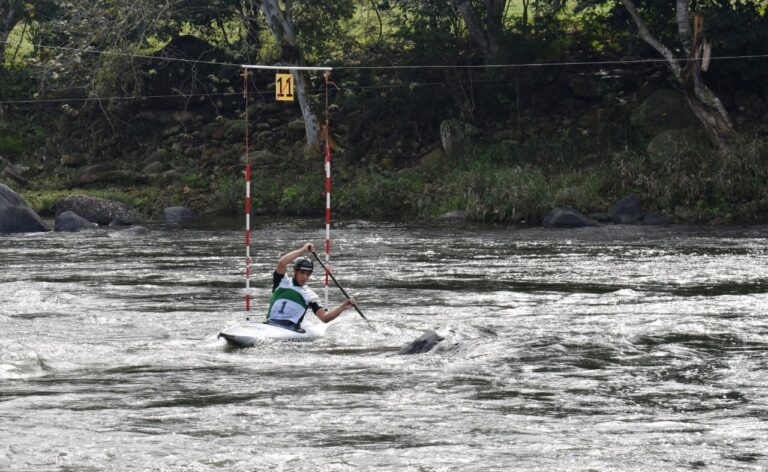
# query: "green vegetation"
150,111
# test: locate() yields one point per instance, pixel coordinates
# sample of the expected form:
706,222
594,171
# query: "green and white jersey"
290,301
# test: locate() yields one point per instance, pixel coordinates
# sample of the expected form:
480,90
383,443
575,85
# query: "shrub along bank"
512,170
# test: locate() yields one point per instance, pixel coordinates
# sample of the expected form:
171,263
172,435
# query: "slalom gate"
284,91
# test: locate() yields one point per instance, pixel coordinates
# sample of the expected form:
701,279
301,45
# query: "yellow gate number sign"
284,87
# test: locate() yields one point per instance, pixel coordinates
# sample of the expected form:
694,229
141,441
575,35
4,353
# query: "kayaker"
291,296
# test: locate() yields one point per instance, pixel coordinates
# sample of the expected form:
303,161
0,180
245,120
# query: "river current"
610,348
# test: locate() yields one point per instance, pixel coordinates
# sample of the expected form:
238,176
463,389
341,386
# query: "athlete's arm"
282,264
326,316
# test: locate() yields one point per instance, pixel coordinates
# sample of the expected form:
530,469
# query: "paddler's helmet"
303,263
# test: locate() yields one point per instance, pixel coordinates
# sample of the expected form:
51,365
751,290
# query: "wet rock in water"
71,222
628,211
179,215
652,219
566,218
422,344
600,217
456,215
97,210
16,216
129,232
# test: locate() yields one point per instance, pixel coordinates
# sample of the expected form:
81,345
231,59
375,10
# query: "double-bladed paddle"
340,287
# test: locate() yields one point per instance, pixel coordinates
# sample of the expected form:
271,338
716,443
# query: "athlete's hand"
349,303
309,247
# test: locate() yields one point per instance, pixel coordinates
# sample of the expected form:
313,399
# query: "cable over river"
611,348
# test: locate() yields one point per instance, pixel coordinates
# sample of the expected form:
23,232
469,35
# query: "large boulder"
71,222
456,138
97,210
662,110
566,218
628,211
15,214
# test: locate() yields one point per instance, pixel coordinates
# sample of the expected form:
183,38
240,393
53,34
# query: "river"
610,348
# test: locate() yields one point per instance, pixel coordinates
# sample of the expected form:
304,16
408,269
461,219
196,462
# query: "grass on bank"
692,184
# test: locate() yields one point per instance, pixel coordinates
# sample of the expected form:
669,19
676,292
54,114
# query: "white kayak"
253,332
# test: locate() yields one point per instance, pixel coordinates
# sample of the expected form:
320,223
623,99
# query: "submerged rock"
652,219
71,222
455,215
566,218
422,344
179,215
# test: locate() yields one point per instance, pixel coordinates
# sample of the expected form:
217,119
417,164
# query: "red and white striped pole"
327,211
327,75
247,203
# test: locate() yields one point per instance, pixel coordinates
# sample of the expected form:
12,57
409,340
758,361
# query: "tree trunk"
487,36
282,26
10,15
702,101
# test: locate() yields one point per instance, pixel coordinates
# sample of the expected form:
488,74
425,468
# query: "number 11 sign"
284,87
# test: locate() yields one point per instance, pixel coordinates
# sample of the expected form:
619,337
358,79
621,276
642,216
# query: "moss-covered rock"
663,110
673,143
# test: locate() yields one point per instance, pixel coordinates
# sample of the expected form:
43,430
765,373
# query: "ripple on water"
613,348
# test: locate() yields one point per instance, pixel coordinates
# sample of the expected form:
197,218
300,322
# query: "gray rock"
179,215
15,214
158,155
453,215
628,211
664,109
15,173
422,344
153,168
235,131
97,210
456,138
133,231
97,169
566,218
71,222
652,219
73,160
261,156
296,125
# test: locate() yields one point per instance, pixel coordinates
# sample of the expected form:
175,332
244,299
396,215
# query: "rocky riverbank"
584,158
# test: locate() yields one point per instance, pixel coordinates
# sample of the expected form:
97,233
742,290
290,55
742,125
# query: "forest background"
500,110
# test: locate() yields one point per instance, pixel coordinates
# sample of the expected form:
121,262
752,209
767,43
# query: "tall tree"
281,23
11,13
703,102
485,24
